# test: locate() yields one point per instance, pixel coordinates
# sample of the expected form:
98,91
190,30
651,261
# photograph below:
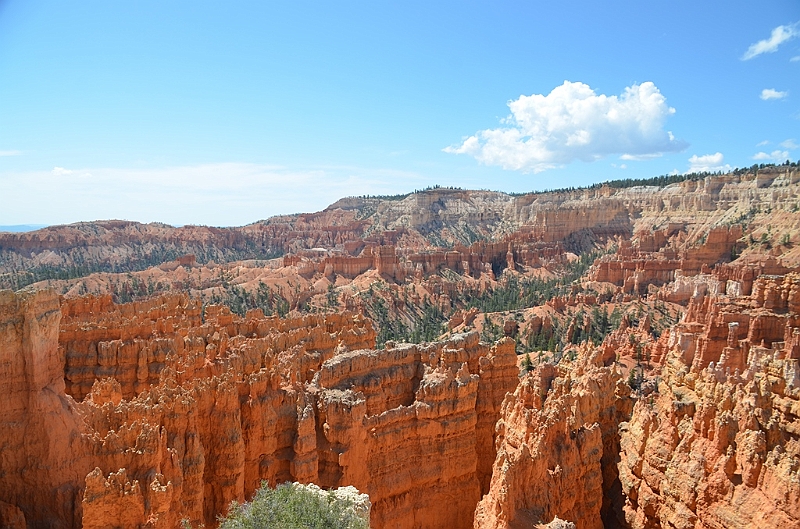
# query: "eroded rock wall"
186,412
42,452
719,444
422,419
557,446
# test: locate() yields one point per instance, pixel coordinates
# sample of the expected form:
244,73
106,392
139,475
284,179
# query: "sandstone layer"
166,408
429,220
557,446
43,452
719,444
166,416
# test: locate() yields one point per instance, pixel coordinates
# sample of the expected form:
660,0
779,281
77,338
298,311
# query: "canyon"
601,357
167,418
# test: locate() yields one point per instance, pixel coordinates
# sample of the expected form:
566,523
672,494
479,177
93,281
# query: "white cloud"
572,123
60,171
779,35
771,93
789,144
708,163
10,153
222,194
640,157
795,58
774,156
762,143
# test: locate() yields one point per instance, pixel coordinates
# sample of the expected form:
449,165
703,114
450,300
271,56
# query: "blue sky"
224,113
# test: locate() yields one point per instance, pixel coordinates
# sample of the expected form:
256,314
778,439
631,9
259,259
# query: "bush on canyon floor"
292,507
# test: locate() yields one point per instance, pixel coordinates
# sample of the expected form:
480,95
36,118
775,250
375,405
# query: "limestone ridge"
198,414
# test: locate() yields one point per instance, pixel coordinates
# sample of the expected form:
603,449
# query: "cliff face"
558,441
413,426
662,257
719,445
42,449
182,416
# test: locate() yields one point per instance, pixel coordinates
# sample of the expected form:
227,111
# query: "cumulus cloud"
779,35
572,122
771,93
708,163
789,144
776,156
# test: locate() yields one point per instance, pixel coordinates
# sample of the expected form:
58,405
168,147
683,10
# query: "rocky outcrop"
43,452
649,261
719,444
145,413
135,342
187,412
557,445
414,427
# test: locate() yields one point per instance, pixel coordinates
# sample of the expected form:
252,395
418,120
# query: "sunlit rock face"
147,413
719,445
185,415
557,448
44,453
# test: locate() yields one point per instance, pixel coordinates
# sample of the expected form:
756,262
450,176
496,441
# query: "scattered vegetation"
140,256
491,331
290,507
527,364
514,293
240,300
660,181
592,328
635,378
424,323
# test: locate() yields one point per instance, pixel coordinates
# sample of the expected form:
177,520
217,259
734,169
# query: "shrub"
292,506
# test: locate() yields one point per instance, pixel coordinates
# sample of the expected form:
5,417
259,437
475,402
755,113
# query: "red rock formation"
434,219
649,261
11,517
149,412
43,452
719,445
557,445
201,412
414,427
